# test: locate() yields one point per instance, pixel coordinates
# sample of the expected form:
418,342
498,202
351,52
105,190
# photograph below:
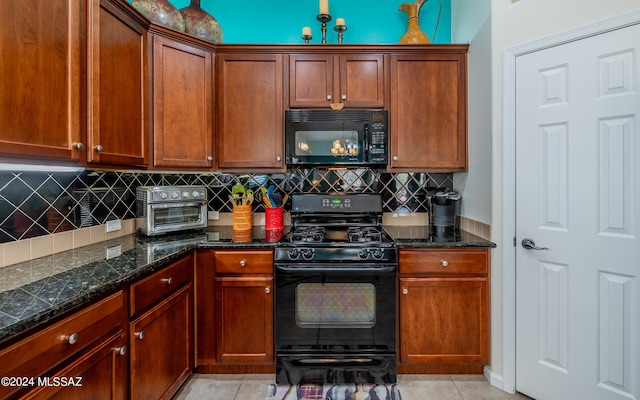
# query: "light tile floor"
412,387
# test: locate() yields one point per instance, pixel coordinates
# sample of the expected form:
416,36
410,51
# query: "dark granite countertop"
420,236
33,292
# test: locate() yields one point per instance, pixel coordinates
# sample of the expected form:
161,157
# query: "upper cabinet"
41,84
117,87
250,111
182,105
317,80
428,110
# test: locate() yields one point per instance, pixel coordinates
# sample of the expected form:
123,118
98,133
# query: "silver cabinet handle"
78,145
328,97
71,339
99,148
243,263
344,97
405,291
121,350
278,158
139,335
168,280
395,158
529,244
267,290
209,158
444,263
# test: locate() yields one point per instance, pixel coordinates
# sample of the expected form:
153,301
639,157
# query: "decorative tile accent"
33,204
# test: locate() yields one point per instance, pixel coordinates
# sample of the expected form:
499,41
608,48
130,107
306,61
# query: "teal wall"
368,21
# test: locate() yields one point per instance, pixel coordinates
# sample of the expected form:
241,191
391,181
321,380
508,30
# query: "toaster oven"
165,209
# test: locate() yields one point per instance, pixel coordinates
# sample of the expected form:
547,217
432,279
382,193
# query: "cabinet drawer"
149,290
441,261
42,351
244,262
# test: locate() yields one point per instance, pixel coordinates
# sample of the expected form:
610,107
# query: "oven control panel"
336,203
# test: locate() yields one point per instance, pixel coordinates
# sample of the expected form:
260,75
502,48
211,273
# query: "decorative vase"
161,12
200,23
413,34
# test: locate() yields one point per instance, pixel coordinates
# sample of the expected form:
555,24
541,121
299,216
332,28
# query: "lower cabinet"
161,334
444,310
235,311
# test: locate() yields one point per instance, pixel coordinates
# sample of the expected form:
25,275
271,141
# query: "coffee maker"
443,205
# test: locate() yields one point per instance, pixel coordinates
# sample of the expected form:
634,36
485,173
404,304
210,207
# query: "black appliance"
336,292
336,137
444,206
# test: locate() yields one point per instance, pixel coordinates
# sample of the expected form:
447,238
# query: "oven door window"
177,215
335,305
327,143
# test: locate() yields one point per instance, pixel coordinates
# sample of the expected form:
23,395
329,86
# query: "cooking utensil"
237,189
271,190
276,199
265,196
250,196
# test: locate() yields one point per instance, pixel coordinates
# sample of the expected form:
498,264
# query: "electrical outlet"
113,251
114,225
213,215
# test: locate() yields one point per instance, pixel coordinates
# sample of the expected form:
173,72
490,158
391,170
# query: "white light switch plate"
114,225
213,215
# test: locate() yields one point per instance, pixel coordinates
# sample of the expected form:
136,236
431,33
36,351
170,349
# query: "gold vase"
413,34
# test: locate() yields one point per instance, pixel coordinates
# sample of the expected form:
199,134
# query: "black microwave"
336,137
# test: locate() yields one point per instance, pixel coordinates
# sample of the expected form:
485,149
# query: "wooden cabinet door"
99,373
117,87
162,347
361,82
40,84
250,110
443,320
428,112
244,311
182,105
316,80
310,80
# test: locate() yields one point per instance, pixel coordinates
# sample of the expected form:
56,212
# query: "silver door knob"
395,158
121,350
405,291
139,335
529,244
98,148
78,145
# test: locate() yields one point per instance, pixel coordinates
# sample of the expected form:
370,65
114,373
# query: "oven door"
171,217
336,320
326,142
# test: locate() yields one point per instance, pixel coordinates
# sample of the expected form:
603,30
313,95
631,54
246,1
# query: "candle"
340,22
306,31
324,7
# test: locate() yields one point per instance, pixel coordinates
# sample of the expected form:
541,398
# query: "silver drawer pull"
121,350
168,280
267,290
243,263
405,291
71,339
444,263
139,335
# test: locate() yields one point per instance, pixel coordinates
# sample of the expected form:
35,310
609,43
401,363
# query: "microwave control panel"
378,142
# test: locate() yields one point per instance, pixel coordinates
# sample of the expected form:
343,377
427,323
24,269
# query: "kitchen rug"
330,391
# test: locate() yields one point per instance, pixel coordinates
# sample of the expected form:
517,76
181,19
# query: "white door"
578,194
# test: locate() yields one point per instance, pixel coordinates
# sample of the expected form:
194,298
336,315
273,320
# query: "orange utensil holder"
242,223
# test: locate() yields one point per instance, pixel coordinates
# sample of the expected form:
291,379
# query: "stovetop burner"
367,234
313,234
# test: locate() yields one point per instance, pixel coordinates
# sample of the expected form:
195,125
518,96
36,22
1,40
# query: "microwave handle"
366,142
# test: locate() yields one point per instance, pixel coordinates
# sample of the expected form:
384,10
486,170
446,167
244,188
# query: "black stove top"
335,228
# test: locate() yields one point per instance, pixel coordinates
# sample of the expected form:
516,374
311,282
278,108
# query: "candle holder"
306,38
340,29
324,18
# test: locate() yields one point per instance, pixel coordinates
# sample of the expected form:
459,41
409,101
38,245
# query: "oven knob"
307,254
195,194
164,195
377,254
185,194
175,195
362,253
293,254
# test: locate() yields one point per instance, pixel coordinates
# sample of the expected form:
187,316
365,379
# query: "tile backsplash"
39,203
